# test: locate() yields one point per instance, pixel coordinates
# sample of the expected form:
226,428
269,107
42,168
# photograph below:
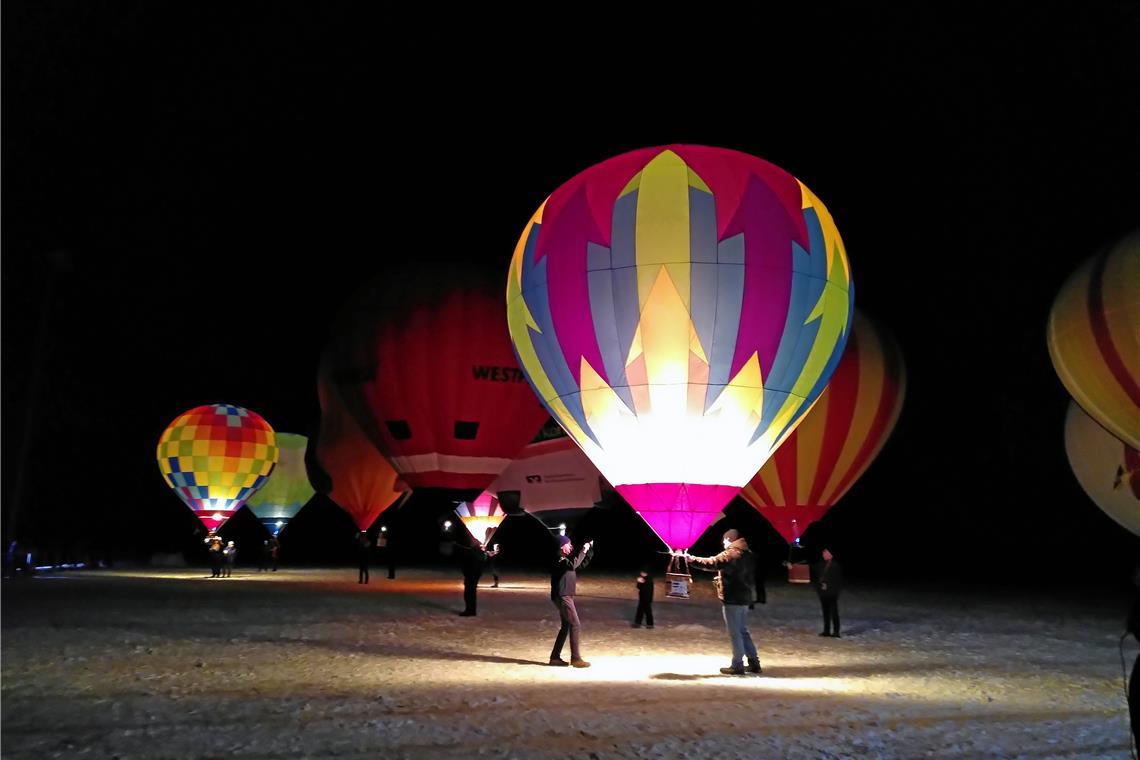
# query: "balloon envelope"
360,479
428,371
838,439
215,457
480,515
1094,338
287,489
678,310
555,480
1107,468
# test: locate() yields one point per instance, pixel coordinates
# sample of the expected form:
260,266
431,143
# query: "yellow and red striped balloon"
1094,338
838,439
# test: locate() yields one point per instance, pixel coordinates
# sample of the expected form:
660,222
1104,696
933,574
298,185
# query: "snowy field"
307,663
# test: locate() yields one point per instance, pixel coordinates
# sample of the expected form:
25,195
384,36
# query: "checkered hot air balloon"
1094,338
838,439
216,457
678,310
287,489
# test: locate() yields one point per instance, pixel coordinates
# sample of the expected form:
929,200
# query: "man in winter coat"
736,588
827,577
563,585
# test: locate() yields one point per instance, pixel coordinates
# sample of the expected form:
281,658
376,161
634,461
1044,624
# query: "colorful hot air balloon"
838,439
480,514
1094,338
425,364
287,489
556,482
678,310
360,479
1106,467
215,457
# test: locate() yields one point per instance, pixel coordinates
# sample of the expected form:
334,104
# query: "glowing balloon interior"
481,515
215,458
287,489
678,310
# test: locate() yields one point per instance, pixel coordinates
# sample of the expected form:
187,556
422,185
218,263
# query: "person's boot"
580,663
754,665
467,613
734,670
559,662
825,633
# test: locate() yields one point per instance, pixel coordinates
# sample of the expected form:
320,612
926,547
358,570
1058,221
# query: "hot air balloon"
287,489
425,365
1107,468
678,310
555,481
837,440
215,458
480,515
359,479
1094,338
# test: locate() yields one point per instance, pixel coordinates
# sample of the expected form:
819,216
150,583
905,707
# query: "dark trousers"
363,573
470,591
644,611
830,605
216,564
494,570
570,625
391,565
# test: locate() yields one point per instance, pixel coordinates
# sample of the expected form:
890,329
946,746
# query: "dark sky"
199,188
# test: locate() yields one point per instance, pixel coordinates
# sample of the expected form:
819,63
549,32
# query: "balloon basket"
677,578
799,572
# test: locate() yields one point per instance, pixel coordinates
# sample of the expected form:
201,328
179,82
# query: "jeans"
736,621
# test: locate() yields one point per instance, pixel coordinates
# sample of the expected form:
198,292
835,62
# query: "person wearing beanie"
736,588
563,585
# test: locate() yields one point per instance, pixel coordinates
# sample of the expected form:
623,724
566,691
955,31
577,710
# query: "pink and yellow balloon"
678,310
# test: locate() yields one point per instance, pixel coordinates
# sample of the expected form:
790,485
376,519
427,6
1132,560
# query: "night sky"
191,192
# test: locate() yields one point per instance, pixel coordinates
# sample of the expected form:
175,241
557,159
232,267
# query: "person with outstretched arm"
563,586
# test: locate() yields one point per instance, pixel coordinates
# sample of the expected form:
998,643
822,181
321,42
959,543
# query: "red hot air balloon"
837,440
428,370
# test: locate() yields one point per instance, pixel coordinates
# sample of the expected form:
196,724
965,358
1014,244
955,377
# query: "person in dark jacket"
563,586
274,551
473,559
363,547
736,588
214,541
263,563
827,577
644,599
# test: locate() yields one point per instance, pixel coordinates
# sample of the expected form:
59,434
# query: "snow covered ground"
307,663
